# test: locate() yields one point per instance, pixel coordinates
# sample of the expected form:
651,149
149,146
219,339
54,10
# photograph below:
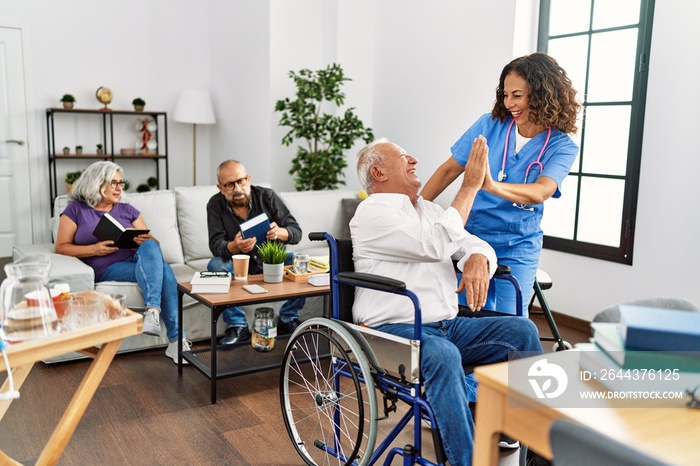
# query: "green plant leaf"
315,120
272,252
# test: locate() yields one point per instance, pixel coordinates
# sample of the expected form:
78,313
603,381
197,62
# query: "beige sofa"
177,218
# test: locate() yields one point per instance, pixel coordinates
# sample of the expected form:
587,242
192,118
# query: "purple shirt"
86,218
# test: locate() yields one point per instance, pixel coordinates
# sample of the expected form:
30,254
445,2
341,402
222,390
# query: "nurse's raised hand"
476,167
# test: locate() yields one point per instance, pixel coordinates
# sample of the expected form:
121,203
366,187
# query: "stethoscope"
537,163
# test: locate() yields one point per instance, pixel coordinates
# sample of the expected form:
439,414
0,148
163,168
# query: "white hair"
91,186
368,157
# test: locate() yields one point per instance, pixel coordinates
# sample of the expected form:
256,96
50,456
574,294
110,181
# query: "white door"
15,202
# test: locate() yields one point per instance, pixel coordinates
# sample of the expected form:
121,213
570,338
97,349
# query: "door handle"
15,141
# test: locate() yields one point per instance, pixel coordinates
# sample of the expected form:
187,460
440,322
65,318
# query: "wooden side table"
22,357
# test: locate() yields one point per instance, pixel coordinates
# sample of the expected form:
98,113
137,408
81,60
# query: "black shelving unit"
107,116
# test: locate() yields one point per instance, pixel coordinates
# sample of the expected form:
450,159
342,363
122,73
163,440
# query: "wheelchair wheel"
327,395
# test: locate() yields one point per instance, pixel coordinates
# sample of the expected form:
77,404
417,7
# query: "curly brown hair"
552,98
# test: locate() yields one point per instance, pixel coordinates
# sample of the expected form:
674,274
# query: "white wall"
422,72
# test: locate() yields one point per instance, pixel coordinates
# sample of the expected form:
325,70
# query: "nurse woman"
530,153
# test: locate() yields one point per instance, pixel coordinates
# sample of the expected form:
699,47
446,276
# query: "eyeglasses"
212,274
241,183
115,183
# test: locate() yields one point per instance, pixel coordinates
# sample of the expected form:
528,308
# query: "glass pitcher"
26,305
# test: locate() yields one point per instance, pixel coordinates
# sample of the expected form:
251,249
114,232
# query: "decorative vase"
272,273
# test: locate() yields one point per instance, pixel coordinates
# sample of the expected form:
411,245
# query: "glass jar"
264,329
26,305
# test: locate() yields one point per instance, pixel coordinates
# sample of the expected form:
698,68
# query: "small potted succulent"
66,150
68,101
78,150
99,149
138,104
72,177
273,254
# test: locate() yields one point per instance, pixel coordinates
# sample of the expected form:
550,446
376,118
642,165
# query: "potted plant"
273,254
72,177
152,182
78,150
66,150
319,164
138,104
68,101
142,188
100,151
126,185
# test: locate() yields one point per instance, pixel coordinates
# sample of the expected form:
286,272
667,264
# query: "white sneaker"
171,351
151,323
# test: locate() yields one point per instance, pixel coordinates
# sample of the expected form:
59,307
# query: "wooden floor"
144,414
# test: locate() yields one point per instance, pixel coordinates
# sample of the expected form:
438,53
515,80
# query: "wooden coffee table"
241,358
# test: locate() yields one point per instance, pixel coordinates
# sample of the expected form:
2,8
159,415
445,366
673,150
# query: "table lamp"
194,106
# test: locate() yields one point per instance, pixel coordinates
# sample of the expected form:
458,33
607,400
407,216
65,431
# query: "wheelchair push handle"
317,236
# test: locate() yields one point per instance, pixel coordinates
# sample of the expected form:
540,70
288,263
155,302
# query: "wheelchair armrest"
502,270
368,280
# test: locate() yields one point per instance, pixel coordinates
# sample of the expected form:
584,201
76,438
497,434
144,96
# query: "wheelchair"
332,371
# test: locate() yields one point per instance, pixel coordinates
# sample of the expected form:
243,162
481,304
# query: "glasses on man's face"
115,183
240,182
212,274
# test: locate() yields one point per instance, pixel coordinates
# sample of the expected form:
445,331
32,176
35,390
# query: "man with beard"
236,202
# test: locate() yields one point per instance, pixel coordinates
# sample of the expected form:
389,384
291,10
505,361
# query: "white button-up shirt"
415,244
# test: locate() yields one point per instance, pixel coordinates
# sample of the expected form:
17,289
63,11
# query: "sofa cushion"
316,211
59,205
158,211
192,219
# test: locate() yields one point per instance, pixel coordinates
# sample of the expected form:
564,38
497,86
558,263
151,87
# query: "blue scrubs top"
514,232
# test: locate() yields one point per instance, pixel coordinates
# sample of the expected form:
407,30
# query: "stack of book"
646,339
210,282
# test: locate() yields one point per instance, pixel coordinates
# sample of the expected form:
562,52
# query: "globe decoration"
104,96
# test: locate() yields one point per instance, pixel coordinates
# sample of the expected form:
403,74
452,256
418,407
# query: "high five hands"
476,170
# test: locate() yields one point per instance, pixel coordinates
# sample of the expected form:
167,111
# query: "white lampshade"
194,106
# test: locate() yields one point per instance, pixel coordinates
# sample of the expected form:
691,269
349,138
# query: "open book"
256,227
108,228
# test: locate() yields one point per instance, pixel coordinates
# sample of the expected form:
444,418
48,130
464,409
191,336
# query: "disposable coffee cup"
240,266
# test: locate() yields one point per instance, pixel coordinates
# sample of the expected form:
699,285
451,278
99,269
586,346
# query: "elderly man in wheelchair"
412,242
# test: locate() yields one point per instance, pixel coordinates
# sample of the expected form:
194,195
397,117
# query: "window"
604,47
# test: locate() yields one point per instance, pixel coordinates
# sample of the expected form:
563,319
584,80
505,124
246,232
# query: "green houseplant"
72,177
68,101
273,254
320,162
138,104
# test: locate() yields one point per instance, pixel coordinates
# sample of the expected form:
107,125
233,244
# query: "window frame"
624,253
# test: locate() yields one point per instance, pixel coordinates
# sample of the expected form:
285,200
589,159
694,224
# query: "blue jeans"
156,280
448,344
235,316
